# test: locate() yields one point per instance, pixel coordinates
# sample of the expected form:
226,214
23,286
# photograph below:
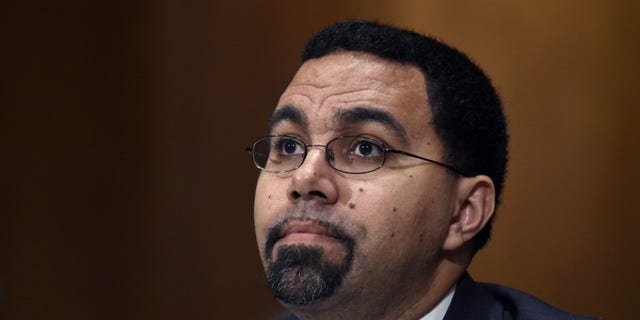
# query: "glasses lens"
356,154
278,153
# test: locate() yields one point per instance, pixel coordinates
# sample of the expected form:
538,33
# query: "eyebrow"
370,114
343,118
287,113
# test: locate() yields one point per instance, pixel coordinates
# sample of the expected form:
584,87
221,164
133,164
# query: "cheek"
389,197
401,210
267,202
382,207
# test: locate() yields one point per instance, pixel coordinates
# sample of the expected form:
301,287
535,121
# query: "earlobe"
476,204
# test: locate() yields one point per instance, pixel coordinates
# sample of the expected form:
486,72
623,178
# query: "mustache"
275,232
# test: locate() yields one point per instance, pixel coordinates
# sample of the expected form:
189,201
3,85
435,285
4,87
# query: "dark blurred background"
129,196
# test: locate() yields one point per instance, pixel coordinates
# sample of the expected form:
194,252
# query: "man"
382,167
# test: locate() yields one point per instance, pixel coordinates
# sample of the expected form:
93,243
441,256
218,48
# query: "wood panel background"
127,194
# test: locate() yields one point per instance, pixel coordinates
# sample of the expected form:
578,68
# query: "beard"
302,274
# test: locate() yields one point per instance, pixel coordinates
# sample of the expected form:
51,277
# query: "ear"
474,207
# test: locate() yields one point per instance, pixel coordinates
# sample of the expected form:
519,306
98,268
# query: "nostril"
317,194
295,195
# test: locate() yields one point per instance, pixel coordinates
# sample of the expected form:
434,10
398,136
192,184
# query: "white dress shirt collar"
440,310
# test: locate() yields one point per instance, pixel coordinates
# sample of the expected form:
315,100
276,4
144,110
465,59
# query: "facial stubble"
303,274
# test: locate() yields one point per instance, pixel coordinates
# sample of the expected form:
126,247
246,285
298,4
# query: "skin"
411,221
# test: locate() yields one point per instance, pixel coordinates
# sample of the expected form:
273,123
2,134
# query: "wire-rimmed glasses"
348,154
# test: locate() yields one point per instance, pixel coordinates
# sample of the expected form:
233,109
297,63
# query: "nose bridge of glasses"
329,153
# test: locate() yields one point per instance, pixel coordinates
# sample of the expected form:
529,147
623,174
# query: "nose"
314,179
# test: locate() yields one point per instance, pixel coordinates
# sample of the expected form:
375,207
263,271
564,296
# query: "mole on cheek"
360,189
269,197
394,209
352,205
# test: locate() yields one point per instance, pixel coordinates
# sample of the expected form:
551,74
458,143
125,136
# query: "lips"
304,231
306,227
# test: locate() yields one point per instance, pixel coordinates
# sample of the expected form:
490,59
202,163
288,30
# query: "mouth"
307,231
331,238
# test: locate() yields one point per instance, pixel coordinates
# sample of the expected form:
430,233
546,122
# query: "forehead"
329,86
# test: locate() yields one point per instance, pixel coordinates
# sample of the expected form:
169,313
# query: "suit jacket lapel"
471,302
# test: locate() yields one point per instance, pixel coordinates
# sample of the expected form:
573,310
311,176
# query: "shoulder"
525,306
492,301
487,301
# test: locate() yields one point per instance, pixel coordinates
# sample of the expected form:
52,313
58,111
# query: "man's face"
327,237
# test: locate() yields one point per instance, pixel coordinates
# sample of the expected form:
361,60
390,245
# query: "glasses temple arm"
428,160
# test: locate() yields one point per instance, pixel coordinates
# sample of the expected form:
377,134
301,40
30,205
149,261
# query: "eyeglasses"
348,154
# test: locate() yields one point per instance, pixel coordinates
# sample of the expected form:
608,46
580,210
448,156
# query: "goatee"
302,274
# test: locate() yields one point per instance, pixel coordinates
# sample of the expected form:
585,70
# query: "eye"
367,148
289,146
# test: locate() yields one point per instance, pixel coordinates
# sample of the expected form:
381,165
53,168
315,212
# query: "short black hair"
467,111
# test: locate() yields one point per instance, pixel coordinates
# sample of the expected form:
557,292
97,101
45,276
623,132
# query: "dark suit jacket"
485,301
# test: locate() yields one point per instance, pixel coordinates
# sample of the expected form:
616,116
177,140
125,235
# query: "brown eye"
289,146
367,148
